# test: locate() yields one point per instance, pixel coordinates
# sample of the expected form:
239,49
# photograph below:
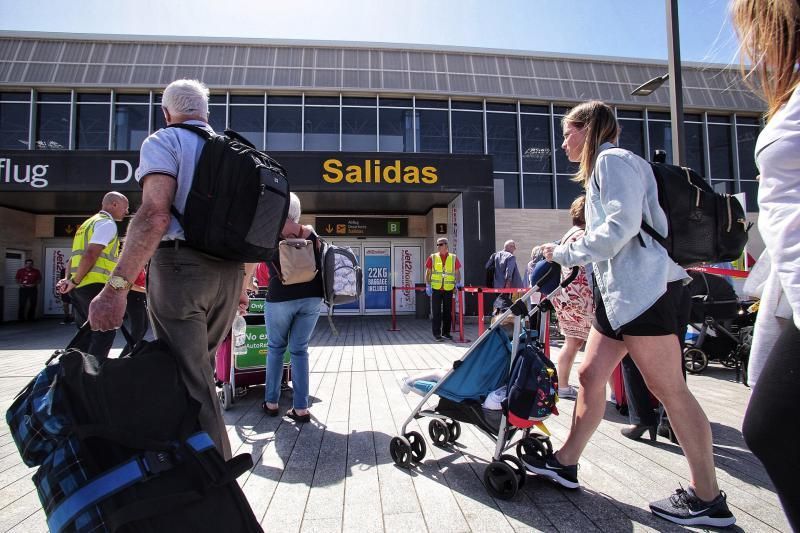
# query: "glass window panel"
750,188
661,138
434,131
322,100
692,117
435,104
52,97
359,129
541,109
719,149
561,110
723,186
536,151
284,100
52,127
93,127
395,102
506,191
159,121
283,127
494,106
216,117
746,137
695,155
628,113
501,133
396,130
538,191
15,97
322,128
14,121
748,120
214,99
632,136
94,97
719,119
130,126
563,165
658,115
459,104
133,98
467,132
357,101
249,123
568,190
250,99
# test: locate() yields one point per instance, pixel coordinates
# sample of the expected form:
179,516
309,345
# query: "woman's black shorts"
668,316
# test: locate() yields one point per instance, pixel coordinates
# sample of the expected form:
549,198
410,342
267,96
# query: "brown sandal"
303,419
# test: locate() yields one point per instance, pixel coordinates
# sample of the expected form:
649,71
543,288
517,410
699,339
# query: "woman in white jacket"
770,35
641,306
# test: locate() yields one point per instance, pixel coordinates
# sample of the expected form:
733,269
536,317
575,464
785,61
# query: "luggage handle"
81,334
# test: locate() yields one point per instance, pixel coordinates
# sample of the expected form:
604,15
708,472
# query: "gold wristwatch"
119,283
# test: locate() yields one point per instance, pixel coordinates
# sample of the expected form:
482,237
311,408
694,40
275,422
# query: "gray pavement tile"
321,525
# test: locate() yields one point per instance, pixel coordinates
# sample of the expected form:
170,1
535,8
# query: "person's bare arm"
88,259
244,299
145,231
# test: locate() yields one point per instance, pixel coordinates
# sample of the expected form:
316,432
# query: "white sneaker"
404,386
568,393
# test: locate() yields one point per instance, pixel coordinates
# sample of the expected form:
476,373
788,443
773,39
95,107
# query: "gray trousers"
192,299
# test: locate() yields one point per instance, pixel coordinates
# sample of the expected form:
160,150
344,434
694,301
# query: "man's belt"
175,244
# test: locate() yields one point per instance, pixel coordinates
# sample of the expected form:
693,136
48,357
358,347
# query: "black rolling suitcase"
119,448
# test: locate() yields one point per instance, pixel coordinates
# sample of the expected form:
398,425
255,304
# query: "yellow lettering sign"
372,171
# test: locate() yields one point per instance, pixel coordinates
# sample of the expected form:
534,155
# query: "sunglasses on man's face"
442,244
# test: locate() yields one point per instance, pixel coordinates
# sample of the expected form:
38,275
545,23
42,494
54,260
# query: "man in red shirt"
28,279
442,275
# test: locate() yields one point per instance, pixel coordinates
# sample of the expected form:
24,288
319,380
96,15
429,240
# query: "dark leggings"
771,426
136,316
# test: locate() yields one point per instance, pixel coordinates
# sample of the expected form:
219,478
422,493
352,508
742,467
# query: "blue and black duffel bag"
119,448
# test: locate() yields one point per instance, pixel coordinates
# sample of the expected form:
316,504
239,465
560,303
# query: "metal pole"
675,85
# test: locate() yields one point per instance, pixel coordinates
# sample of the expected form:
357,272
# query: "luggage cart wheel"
695,360
455,431
518,467
534,445
439,433
225,396
418,446
500,480
400,450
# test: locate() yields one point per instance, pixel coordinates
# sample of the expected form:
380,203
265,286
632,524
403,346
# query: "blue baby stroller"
483,369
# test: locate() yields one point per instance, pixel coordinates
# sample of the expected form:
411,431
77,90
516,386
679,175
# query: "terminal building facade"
387,146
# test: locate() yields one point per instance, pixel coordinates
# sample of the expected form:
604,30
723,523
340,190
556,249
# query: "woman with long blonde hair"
769,31
641,305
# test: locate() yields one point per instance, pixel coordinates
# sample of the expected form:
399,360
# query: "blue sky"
625,28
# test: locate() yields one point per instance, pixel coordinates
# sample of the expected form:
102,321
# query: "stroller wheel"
695,360
400,450
225,396
439,433
516,464
535,445
455,431
418,446
500,480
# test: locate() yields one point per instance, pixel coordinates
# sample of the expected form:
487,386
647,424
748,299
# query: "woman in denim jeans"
290,313
639,291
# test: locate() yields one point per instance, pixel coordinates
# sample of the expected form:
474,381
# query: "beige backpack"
297,261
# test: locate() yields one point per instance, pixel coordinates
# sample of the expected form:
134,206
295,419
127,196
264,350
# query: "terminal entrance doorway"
384,263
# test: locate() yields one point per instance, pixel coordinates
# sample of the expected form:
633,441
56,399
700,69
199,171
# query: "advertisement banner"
407,272
378,290
55,260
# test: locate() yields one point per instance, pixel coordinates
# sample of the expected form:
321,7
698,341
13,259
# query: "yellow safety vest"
107,260
443,273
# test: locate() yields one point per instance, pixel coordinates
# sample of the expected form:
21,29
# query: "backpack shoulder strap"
202,132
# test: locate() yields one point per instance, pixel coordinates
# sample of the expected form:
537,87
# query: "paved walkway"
336,473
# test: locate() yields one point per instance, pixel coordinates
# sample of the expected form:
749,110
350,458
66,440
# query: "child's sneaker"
686,509
405,387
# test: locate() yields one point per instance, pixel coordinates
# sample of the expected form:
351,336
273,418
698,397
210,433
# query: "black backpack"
490,270
238,201
703,226
118,447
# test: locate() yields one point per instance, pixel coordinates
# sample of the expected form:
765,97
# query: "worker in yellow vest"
442,275
95,249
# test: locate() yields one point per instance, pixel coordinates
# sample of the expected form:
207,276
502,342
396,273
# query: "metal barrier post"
480,312
394,313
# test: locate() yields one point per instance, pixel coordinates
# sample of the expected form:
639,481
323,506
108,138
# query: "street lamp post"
675,86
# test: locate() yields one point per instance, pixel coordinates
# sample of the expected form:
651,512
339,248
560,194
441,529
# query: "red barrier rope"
722,271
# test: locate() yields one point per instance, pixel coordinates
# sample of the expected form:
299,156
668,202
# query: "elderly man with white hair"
192,296
506,273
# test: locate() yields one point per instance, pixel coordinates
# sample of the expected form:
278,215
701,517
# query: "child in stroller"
720,326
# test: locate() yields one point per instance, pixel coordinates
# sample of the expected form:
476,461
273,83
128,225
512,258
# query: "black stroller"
721,326
484,368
